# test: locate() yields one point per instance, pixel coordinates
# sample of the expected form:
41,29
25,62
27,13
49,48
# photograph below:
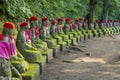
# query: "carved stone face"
68,22
7,31
34,23
46,22
60,22
27,27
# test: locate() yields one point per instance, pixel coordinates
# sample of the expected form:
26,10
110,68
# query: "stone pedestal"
32,73
49,55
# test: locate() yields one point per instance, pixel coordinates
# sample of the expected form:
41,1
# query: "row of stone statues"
34,42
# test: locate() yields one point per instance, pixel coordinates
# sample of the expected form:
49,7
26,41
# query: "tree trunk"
104,15
92,6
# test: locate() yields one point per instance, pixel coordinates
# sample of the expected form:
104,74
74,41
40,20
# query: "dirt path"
96,59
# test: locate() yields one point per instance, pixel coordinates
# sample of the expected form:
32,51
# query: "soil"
93,59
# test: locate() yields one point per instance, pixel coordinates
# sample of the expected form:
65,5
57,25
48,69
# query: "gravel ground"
94,59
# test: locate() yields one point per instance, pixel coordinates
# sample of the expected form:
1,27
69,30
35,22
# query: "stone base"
56,52
82,38
49,55
32,73
68,42
70,36
62,47
90,36
85,37
100,35
95,34
78,40
41,64
74,42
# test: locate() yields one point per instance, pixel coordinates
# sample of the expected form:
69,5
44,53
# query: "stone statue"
8,51
107,28
61,33
35,34
97,28
108,23
76,27
76,31
102,27
54,34
45,34
68,30
24,45
116,26
53,29
87,29
80,28
92,28
112,27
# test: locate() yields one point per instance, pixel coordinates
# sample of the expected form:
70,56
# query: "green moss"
18,64
47,51
74,42
32,73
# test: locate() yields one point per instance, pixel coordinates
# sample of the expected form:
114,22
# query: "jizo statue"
8,52
61,31
54,33
67,28
35,35
24,45
45,33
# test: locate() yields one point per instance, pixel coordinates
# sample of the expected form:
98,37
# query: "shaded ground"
95,59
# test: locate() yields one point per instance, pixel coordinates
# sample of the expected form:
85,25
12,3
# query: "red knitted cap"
85,19
60,19
24,24
34,18
68,19
9,25
92,20
80,19
53,22
76,20
44,19
97,21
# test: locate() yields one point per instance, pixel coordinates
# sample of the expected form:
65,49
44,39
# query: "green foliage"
23,9
17,8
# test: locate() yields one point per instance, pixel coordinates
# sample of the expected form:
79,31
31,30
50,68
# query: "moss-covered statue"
54,34
17,59
92,28
116,26
76,31
53,29
61,33
106,27
112,27
97,28
102,27
87,28
24,45
109,27
81,29
75,28
35,34
68,30
8,51
45,34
